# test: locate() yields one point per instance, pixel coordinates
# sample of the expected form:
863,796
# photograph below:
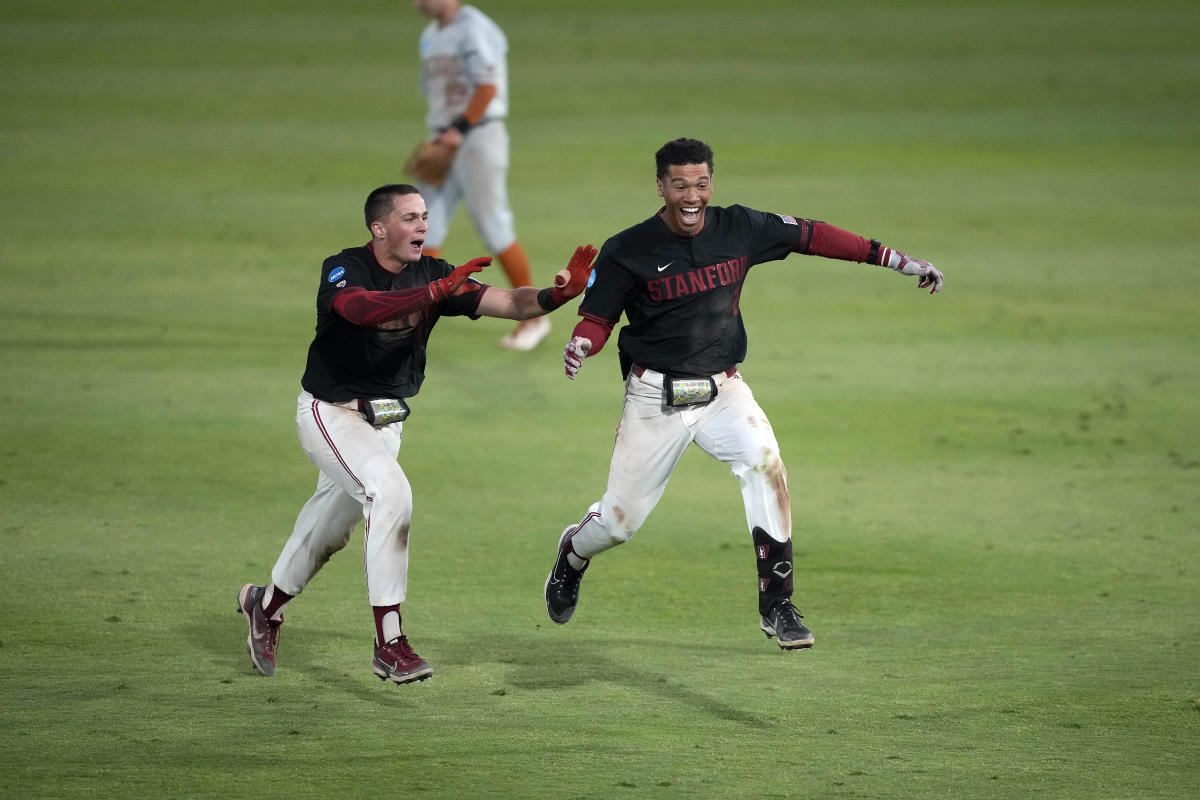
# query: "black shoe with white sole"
783,623
562,585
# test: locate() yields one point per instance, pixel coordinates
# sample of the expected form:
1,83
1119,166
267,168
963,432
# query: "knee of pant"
776,473
333,546
623,522
768,466
394,503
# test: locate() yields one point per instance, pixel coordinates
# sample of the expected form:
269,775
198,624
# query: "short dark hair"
682,151
379,201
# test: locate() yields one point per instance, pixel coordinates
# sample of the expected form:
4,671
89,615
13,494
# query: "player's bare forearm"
528,302
519,303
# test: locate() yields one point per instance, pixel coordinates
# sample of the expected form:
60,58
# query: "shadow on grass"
539,662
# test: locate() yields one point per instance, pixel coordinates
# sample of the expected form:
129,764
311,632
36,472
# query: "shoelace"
785,616
401,646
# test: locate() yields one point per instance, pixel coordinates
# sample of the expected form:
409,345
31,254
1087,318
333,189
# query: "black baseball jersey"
347,361
680,294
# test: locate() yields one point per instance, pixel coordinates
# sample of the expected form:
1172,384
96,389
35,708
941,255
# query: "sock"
387,623
273,601
774,570
576,561
516,265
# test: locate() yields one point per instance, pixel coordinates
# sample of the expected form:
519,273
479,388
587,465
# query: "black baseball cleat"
396,661
562,585
264,632
783,622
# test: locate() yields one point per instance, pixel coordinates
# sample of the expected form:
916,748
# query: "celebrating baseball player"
678,278
376,306
464,78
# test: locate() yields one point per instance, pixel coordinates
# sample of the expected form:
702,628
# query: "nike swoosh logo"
664,266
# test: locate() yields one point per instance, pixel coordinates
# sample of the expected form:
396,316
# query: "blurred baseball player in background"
677,277
464,78
376,306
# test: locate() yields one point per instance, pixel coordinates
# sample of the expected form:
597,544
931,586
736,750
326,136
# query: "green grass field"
994,491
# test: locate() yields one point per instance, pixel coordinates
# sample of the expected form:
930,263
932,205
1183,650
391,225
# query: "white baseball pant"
478,178
359,479
651,439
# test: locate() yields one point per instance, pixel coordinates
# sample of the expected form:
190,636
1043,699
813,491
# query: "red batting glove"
451,285
928,274
574,354
571,281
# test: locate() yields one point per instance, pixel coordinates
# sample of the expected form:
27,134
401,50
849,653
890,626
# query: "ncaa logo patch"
591,279
336,275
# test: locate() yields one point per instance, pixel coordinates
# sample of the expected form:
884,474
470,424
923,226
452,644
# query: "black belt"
639,370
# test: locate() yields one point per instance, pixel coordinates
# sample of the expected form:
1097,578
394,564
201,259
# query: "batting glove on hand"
571,282
574,354
928,274
451,285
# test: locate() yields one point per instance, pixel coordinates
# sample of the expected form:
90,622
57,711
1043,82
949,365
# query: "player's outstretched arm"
830,241
369,309
527,302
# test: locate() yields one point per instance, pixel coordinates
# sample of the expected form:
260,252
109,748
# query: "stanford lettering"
667,285
698,279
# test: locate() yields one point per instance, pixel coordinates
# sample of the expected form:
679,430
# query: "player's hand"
571,281
929,277
452,284
451,136
574,354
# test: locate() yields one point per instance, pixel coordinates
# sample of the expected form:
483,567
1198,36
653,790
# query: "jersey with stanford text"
681,294
348,361
469,52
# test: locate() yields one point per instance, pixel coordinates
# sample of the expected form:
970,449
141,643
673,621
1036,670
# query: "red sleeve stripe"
368,309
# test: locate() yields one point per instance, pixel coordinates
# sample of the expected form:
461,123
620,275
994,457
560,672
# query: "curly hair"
682,151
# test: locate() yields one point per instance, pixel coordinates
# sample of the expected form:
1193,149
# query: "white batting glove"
574,354
928,274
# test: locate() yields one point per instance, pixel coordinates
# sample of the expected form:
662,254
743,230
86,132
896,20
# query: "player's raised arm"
528,302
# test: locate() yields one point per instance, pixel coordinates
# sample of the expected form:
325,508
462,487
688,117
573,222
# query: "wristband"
460,123
550,298
882,256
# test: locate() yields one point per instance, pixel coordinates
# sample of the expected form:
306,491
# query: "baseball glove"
430,162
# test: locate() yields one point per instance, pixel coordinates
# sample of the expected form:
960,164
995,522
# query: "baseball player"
376,307
464,78
678,277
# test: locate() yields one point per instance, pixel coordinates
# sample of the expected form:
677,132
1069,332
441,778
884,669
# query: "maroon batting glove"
452,284
571,281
